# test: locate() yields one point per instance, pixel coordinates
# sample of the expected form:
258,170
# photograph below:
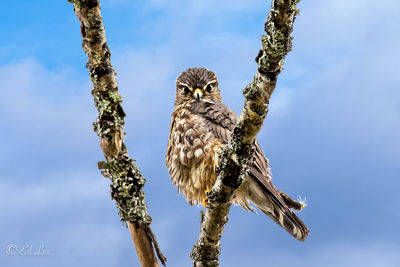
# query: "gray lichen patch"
237,155
277,42
126,188
111,115
126,180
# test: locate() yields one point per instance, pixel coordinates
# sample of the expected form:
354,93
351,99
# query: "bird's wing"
279,211
221,120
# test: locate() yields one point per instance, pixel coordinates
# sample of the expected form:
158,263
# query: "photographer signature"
27,249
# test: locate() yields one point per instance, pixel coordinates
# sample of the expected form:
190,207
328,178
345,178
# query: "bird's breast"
192,154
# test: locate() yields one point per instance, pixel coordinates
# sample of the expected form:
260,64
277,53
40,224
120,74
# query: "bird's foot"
205,200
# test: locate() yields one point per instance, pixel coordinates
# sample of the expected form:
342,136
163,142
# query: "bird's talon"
205,200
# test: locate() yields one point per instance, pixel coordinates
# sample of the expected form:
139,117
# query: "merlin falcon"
201,126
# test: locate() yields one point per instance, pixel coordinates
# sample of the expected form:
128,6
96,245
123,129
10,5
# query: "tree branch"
127,181
237,155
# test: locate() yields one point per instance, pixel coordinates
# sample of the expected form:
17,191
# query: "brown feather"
221,120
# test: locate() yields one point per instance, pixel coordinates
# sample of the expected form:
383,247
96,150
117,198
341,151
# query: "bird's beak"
197,94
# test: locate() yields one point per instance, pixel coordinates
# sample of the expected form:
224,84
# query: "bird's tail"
277,206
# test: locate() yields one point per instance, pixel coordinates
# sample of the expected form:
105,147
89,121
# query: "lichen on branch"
126,180
237,155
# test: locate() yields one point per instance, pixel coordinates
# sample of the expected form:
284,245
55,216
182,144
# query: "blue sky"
332,134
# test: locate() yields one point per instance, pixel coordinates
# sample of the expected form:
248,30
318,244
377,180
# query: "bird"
201,126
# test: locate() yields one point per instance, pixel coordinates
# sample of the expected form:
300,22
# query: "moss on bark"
236,157
126,179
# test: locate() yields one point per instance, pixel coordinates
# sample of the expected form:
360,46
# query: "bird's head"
196,84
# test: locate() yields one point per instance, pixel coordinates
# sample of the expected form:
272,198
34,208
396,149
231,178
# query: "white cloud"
346,254
71,214
52,107
62,189
87,240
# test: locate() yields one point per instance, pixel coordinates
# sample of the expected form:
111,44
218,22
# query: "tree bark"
237,155
127,180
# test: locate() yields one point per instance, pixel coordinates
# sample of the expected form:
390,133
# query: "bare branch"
127,181
236,157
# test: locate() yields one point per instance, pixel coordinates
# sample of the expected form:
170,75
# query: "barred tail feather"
270,202
288,221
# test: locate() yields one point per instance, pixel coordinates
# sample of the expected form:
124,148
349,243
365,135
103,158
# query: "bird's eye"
185,90
209,88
